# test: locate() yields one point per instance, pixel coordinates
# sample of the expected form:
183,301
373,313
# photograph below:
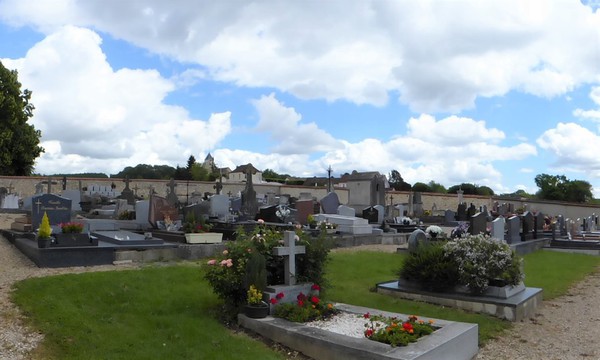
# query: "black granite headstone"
57,207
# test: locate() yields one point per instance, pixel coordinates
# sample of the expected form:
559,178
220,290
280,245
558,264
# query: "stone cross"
50,182
289,251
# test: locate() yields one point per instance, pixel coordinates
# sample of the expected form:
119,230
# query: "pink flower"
260,221
229,262
212,262
223,262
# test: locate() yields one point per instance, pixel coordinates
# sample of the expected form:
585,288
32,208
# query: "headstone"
371,214
121,207
478,224
219,206
249,203
142,208
513,228
415,239
527,226
236,204
289,252
461,212
330,203
159,209
502,209
471,211
380,213
401,210
460,193
58,209
498,226
449,217
171,193
562,229
305,196
75,196
10,201
127,194
538,225
271,199
346,211
511,208
417,204
304,208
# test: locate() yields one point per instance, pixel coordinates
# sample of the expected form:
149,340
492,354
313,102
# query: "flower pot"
44,242
203,238
256,311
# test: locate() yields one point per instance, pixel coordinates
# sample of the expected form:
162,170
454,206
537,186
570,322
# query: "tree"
421,187
468,189
579,191
190,163
397,183
437,188
484,190
19,141
558,187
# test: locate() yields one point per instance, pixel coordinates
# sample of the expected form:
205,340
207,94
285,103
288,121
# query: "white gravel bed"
343,323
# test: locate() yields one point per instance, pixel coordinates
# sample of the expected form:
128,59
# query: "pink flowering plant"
394,331
71,228
227,273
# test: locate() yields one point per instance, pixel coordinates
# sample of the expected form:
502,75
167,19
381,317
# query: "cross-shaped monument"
289,251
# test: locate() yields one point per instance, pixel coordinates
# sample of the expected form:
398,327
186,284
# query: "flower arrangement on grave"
282,213
71,228
306,308
393,331
227,273
326,225
192,225
255,296
473,261
312,222
434,231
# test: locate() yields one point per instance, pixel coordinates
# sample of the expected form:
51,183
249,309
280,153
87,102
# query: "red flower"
314,300
273,301
368,332
301,297
407,326
279,296
300,303
367,315
316,287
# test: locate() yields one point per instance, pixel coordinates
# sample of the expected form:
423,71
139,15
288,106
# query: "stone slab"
453,341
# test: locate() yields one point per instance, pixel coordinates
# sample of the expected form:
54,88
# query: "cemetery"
280,245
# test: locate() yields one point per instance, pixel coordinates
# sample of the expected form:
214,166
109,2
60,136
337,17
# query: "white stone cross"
289,251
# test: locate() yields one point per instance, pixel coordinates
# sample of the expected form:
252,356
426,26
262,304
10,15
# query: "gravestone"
330,203
502,209
449,217
160,209
415,240
478,224
527,226
219,206
127,194
200,210
538,225
511,208
10,201
75,196
171,194
142,208
304,208
498,225
57,207
289,252
346,211
513,229
401,209
371,214
471,211
562,229
461,212
417,204
236,204
380,213
249,203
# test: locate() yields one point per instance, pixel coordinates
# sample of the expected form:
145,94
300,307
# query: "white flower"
433,230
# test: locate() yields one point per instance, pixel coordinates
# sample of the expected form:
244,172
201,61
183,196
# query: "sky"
491,93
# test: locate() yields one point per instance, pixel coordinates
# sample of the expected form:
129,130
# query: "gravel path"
565,328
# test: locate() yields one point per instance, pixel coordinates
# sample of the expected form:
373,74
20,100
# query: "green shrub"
431,267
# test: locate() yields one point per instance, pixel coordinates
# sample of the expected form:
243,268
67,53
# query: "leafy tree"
270,175
469,189
19,141
484,190
421,187
558,187
579,191
144,171
437,188
190,163
397,183
199,173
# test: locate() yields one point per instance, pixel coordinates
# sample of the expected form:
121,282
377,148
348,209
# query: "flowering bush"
393,331
306,308
434,230
226,273
460,230
480,259
71,227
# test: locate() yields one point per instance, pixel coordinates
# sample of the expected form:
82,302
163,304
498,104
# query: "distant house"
366,188
321,181
239,174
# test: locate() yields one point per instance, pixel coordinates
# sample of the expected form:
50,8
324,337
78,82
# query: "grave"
513,229
527,224
344,210
57,208
347,224
478,224
330,203
159,208
75,196
371,214
498,225
219,206
304,208
122,237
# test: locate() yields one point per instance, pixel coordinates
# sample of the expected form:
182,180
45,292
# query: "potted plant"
255,308
198,231
312,222
44,232
72,235
329,228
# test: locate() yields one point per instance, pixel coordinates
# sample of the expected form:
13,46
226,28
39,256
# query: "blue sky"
491,93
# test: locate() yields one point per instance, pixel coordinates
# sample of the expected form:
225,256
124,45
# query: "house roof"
244,169
360,176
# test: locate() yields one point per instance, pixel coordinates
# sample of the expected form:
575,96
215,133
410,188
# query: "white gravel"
343,323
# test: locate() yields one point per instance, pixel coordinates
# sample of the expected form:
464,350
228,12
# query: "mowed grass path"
169,312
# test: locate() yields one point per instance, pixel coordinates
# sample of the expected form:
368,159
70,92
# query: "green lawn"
170,312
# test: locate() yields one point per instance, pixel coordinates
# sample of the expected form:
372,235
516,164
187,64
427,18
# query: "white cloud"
104,120
437,56
574,147
593,115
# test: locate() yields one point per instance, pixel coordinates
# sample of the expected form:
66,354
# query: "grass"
170,311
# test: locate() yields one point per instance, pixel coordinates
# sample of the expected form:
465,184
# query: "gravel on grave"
344,324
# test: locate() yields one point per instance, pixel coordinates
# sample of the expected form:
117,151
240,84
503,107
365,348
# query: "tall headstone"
142,208
127,193
172,194
538,225
449,217
513,229
249,203
75,196
416,239
498,225
461,212
219,206
478,224
527,226
346,211
380,213
562,229
160,209
371,214
289,252
304,208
